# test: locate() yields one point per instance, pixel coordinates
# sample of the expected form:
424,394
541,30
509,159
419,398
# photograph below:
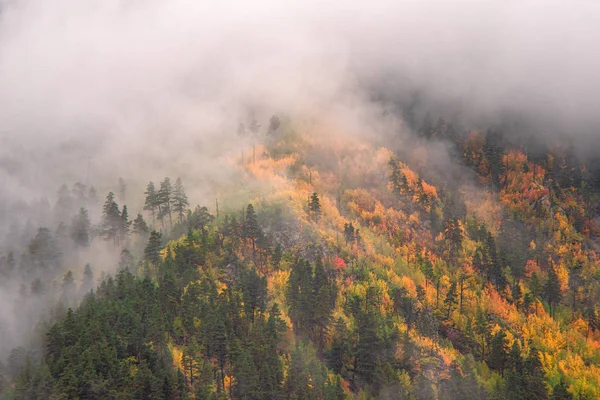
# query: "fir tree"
152,202
552,290
125,224
251,228
180,200
80,228
451,298
152,250
498,352
164,199
139,225
111,219
314,207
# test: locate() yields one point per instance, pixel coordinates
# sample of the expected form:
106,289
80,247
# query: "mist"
91,88
95,90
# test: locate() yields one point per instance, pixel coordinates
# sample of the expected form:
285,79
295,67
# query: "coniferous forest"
356,272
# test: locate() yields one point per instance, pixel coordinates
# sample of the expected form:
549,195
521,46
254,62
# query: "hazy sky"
142,80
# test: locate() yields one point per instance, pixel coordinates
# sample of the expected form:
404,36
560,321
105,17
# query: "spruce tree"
111,219
251,228
152,250
552,290
560,392
498,352
139,225
125,224
180,200
164,198
451,299
80,228
315,207
151,203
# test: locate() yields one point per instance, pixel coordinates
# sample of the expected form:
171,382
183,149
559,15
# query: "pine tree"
535,385
152,250
125,224
246,377
180,200
451,298
482,328
517,294
151,204
349,234
87,282
498,352
552,290
111,219
315,207
126,261
251,228
139,225
80,228
164,198
395,176
560,392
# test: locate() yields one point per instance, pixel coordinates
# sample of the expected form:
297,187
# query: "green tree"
164,198
251,228
139,226
560,392
180,200
552,290
314,207
152,201
451,298
152,250
111,219
125,224
482,329
498,352
246,377
80,228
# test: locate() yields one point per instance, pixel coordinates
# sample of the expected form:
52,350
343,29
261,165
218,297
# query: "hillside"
445,265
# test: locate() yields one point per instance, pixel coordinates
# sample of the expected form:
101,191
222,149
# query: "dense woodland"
355,272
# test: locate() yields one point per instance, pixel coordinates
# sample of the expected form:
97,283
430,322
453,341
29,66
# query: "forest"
351,269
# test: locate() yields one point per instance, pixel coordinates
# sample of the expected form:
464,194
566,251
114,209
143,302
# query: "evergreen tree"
517,294
498,352
139,225
164,198
552,290
482,329
80,228
152,250
314,207
152,201
451,298
180,200
560,392
251,228
125,224
111,219
126,261
87,282
535,385
246,377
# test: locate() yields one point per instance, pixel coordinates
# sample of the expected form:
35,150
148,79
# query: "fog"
97,89
141,81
